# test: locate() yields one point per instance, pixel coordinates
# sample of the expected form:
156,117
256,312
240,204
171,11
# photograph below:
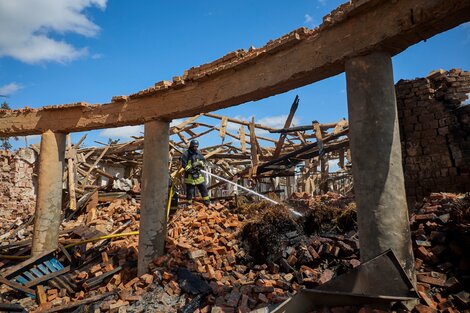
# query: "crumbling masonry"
17,181
435,132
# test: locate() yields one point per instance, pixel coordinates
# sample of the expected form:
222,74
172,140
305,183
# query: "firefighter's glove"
199,164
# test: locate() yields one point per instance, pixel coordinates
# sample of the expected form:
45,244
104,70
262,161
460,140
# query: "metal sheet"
380,280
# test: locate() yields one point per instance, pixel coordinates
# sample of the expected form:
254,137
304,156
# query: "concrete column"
154,194
376,157
49,198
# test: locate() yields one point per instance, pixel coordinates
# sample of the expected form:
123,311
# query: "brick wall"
17,182
434,120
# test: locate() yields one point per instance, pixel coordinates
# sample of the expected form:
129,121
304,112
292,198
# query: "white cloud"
10,88
322,2
232,127
277,121
308,19
97,56
123,132
27,27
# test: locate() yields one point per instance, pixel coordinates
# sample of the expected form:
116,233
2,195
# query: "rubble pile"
250,262
225,258
441,240
100,269
327,213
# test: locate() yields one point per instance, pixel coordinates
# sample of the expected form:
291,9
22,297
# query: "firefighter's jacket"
192,174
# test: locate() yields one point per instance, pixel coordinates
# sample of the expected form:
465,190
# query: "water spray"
249,191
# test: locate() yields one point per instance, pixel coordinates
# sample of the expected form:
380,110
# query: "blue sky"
58,51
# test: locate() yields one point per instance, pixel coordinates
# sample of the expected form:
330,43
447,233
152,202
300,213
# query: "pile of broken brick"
216,244
92,269
441,241
224,258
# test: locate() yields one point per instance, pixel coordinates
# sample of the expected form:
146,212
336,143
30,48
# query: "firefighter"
193,161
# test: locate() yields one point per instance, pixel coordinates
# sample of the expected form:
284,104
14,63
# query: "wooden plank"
324,126
341,158
301,138
323,159
48,277
248,170
71,174
76,303
303,150
41,295
254,148
318,134
265,139
81,158
103,173
216,146
330,147
236,121
83,172
98,159
173,146
180,126
16,286
18,267
183,138
189,132
115,148
210,154
223,127
257,137
342,124
289,119
232,156
225,168
88,154
65,252
79,143
94,281
241,133
202,133
95,169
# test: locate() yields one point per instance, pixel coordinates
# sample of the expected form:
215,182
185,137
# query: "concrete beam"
152,232
297,59
49,196
379,185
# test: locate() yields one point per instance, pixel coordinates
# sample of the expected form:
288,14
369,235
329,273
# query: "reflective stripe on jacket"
187,160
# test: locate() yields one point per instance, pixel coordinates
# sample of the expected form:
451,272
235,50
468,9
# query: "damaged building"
366,213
